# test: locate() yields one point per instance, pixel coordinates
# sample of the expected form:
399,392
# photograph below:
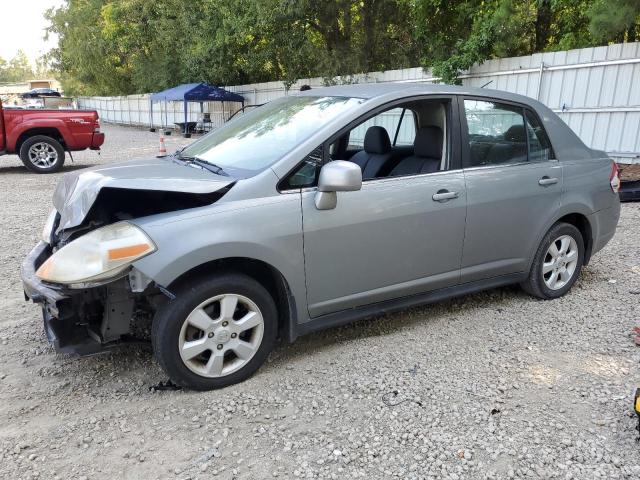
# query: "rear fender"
563,211
33,126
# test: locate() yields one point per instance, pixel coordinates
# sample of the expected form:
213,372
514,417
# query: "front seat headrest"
376,140
428,142
515,133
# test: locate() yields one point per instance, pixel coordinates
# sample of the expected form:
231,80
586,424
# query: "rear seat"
427,154
493,151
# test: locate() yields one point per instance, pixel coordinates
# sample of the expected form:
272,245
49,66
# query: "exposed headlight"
48,226
99,255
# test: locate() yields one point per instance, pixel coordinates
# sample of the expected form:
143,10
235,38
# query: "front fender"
267,229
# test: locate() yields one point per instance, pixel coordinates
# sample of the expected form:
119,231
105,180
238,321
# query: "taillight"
614,178
96,126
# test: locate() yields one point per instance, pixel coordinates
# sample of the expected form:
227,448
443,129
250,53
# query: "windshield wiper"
206,164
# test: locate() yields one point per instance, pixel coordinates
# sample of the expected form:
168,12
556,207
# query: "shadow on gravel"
134,362
125,365
386,324
19,169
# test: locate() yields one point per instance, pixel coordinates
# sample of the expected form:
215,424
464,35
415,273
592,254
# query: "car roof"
400,90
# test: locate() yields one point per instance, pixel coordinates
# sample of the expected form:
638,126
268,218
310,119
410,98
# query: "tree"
457,34
615,19
3,70
85,63
18,69
110,47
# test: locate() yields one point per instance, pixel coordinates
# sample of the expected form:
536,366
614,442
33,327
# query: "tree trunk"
368,22
543,23
346,28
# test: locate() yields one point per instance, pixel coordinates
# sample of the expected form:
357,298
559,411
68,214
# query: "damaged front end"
81,274
88,320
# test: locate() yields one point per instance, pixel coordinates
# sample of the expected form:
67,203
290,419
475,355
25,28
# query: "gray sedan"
315,210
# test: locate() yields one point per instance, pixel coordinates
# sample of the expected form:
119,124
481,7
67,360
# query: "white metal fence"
136,110
596,91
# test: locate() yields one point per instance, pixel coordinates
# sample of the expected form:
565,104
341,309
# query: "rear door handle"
444,195
547,181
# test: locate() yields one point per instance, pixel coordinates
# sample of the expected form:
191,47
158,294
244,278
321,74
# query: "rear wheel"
557,263
215,333
42,154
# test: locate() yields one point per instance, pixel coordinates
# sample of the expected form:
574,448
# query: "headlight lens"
98,255
48,226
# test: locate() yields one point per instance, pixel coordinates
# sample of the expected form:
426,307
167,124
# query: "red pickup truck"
41,137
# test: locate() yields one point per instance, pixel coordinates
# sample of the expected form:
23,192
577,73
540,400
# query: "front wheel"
215,333
42,154
557,263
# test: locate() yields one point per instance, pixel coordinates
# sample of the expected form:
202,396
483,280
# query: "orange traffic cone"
163,149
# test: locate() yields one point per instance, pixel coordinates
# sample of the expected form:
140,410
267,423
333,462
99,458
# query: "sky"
22,26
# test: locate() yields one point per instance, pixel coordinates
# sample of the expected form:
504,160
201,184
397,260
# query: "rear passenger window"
539,144
496,133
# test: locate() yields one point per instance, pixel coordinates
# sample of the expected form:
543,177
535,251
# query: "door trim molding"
418,285
344,317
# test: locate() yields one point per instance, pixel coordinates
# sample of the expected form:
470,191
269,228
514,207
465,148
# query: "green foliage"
476,30
110,47
18,69
615,19
460,47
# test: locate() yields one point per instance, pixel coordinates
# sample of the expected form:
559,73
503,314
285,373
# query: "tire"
545,264
175,336
42,154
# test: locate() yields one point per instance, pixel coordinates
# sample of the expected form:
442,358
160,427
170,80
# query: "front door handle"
544,181
444,195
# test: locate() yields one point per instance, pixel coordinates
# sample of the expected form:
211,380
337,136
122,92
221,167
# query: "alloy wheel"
560,262
221,335
43,155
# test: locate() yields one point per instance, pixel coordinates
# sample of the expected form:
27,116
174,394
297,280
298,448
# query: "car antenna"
490,81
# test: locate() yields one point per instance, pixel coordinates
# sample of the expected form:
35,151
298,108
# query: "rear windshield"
255,140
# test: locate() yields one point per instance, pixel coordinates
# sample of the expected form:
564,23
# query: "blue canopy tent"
193,92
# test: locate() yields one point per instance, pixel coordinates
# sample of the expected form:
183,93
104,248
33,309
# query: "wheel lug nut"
210,335
224,324
220,346
234,335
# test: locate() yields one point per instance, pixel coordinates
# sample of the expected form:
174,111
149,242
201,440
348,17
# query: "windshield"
255,140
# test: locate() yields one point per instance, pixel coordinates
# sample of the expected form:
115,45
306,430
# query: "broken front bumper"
82,321
34,288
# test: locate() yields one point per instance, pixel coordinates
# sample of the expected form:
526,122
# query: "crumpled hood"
77,191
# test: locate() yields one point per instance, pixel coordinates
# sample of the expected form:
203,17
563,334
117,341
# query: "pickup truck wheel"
42,154
217,331
557,263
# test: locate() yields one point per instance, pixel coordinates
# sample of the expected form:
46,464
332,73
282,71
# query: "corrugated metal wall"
595,90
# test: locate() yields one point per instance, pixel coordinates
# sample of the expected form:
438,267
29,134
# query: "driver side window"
405,140
399,123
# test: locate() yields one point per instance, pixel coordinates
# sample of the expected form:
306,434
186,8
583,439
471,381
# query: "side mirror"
336,176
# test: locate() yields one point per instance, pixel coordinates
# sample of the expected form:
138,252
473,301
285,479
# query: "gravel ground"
629,172
492,385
